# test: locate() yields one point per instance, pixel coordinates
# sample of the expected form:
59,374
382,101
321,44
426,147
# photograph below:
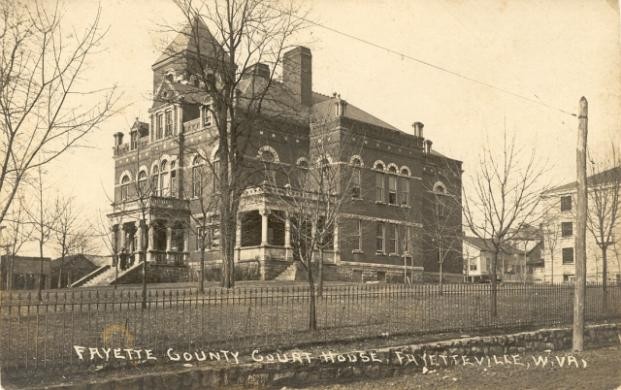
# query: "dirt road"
603,371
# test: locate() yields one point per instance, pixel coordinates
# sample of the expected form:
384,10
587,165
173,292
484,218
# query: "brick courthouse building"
396,179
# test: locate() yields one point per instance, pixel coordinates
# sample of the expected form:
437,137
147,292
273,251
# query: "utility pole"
581,216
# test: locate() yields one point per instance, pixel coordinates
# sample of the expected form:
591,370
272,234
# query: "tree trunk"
201,283
440,279
605,278
320,274
227,239
492,296
143,249
312,312
39,294
60,270
440,276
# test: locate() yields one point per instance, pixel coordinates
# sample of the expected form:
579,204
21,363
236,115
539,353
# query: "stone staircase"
294,272
104,276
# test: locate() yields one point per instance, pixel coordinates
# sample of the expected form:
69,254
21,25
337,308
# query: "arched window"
379,182
404,187
197,178
439,190
268,155
392,184
356,178
155,180
173,179
164,178
142,183
125,187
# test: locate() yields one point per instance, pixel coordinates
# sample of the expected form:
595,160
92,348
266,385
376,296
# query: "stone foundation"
157,273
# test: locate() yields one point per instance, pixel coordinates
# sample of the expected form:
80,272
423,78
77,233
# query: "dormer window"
133,139
159,125
168,127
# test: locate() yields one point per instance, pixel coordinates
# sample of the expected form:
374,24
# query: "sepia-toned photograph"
310,194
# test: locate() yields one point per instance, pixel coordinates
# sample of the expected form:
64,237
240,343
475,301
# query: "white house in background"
478,256
558,227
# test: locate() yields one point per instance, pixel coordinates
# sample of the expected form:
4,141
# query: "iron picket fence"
40,334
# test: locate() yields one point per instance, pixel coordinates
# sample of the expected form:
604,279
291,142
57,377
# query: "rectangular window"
355,183
568,255
392,189
159,125
381,233
394,239
168,129
133,140
473,267
379,187
567,229
404,191
566,203
207,115
406,240
440,208
568,278
357,236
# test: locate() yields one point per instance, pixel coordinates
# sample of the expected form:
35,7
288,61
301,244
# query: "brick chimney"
297,75
118,139
259,70
418,129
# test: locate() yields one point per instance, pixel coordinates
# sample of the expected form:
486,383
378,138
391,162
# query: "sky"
552,52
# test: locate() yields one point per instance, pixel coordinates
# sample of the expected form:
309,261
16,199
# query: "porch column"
123,237
151,241
186,244
287,237
264,219
169,233
140,240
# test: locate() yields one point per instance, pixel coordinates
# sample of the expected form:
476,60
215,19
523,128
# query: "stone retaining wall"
328,366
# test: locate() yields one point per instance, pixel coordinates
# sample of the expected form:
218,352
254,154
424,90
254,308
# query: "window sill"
357,251
405,206
393,205
393,254
378,253
379,202
356,198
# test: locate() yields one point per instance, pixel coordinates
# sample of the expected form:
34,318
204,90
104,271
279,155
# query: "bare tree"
200,223
41,103
42,220
504,198
551,233
604,188
71,234
313,196
443,228
247,35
